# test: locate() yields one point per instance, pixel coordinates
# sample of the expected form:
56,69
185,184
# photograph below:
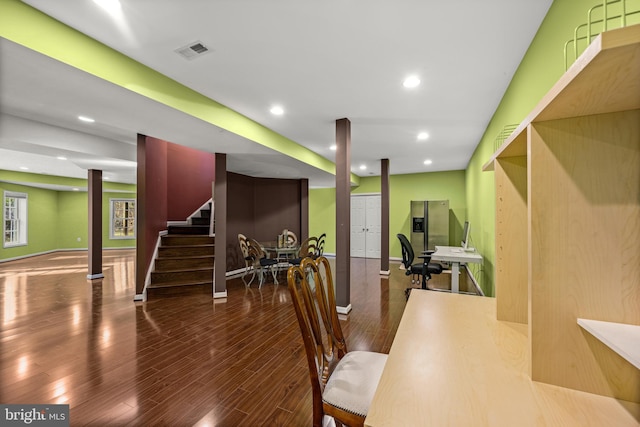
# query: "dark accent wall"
190,173
152,202
261,208
161,183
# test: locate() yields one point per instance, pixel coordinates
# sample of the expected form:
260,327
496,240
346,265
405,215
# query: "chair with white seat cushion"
343,383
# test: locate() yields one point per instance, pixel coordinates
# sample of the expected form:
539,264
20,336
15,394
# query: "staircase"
184,264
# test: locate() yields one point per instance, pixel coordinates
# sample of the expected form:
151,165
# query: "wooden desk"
455,256
453,364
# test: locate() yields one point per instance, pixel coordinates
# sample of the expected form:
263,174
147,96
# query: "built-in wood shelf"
622,338
604,79
567,212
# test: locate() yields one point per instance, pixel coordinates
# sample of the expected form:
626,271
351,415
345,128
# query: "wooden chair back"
308,247
290,238
255,250
320,245
313,295
244,247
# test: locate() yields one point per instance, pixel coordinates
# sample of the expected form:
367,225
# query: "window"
123,219
15,219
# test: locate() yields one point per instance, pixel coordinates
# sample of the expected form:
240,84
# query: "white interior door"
365,226
358,226
372,233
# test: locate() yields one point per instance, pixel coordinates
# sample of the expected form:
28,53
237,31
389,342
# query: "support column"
220,218
141,217
304,209
384,218
95,224
343,215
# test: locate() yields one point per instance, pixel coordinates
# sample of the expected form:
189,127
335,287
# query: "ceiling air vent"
192,50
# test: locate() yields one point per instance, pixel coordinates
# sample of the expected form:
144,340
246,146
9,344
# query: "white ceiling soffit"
46,91
320,61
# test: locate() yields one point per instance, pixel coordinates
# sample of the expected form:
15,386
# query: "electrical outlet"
79,239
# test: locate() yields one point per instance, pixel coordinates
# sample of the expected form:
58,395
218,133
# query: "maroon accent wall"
190,173
155,201
261,208
169,177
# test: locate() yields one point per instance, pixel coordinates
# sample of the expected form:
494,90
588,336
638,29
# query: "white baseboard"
385,273
235,272
59,250
344,310
220,294
138,297
95,276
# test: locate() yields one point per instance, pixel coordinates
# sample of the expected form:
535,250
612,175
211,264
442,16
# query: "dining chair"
261,262
308,248
290,238
342,382
248,261
320,245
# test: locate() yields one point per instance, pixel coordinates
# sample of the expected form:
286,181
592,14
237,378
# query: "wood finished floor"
178,361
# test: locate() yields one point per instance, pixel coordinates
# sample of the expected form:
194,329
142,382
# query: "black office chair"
421,271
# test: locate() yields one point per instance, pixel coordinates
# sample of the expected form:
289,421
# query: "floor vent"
192,50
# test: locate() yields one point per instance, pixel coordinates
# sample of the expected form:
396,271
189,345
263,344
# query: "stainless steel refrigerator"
429,224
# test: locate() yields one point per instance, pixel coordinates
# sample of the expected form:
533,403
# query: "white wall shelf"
622,338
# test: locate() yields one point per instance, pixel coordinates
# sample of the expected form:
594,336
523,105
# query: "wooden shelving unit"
568,220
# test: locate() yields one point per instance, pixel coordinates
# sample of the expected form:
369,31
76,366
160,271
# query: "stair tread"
176,257
187,235
206,245
182,270
178,284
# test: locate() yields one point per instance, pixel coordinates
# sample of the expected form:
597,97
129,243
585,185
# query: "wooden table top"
453,364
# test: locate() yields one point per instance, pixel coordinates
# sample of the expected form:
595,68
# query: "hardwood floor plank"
177,361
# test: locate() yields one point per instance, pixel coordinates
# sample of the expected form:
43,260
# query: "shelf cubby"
568,220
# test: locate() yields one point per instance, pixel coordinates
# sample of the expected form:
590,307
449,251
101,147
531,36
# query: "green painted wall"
402,188
72,221
42,207
425,186
541,67
322,216
57,219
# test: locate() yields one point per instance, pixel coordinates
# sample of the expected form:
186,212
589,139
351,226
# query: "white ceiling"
321,61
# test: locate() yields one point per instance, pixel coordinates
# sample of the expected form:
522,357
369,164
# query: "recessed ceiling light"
76,189
334,147
61,158
105,178
363,167
428,162
86,119
422,136
110,6
24,168
277,110
411,82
